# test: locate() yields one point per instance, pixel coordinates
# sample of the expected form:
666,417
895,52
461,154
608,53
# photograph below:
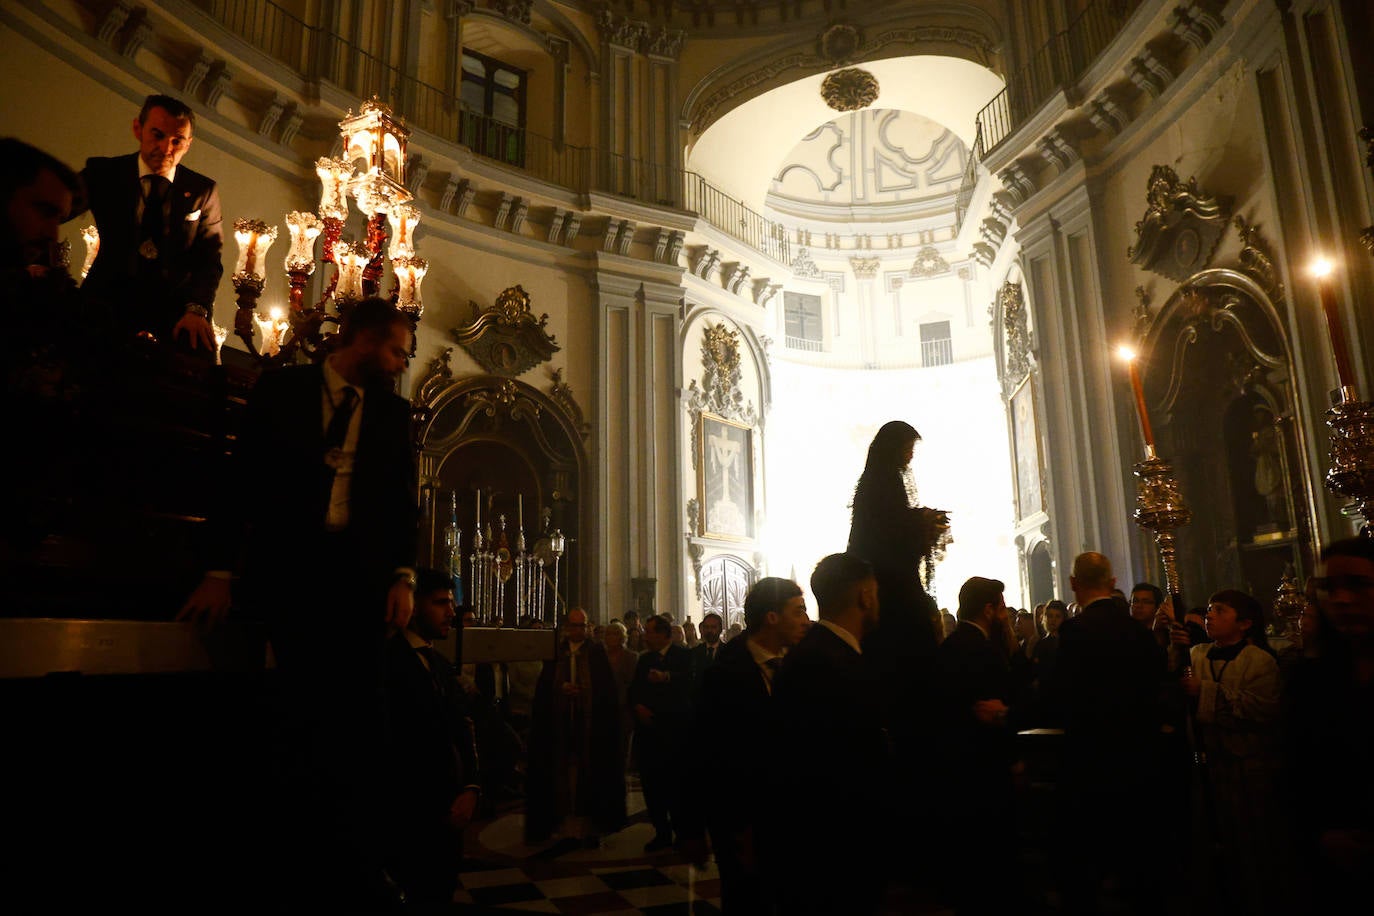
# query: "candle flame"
1322,268
1126,352
276,313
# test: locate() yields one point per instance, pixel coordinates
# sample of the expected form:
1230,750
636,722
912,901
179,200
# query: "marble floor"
500,873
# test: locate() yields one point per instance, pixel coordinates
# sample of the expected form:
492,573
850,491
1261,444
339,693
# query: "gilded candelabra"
1289,603
1160,508
1351,474
372,172
494,566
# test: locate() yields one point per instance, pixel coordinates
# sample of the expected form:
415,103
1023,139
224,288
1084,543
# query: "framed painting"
725,478
1025,438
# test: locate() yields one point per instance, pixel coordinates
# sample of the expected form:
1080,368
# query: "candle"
1322,270
1138,389
520,510
479,509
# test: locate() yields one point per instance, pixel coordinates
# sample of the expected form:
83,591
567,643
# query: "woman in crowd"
1234,683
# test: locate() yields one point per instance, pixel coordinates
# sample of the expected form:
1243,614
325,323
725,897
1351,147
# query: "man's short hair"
21,163
659,624
1361,548
428,579
173,106
835,578
1155,591
976,594
1093,570
1057,604
631,615
768,595
709,614
373,315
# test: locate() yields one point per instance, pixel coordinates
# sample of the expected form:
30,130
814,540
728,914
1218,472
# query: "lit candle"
520,510
479,509
254,238
410,273
351,258
221,335
304,229
403,217
334,176
273,327
91,236
1322,270
1138,389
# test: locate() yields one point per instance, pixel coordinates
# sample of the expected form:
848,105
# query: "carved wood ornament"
1181,227
507,339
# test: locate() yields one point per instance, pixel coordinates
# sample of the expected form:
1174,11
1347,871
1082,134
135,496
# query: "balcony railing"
1060,62
803,343
939,352
319,54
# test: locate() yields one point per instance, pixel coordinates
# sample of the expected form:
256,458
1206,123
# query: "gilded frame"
1024,408
725,462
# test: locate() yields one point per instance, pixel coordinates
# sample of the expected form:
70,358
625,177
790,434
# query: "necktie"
334,436
152,227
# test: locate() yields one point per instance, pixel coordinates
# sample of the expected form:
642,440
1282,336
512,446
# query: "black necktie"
153,226
337,430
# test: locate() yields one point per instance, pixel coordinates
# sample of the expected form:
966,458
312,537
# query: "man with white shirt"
734,733
160,261
328,565
838,781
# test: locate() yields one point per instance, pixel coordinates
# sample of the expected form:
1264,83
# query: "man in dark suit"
976,746
660,699
431,746
830,720
1106,683
705,653
159,262
735,733
328,564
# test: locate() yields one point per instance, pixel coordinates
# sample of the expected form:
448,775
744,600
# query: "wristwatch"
197,310
404,575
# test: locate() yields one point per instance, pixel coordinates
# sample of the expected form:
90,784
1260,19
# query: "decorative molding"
1181,227
1257,259
572,224
707,260
437,377
503,206
803,266
1149,73
928,263
113,23
197,73
514,10
1056,150
140,30
984,253
1015,331
1107,116
556,225
719,392
416,172
562,394
736,275
271,115
865,268
292,126
506,339
1194,24
1143,313
664,42
1018,183
765,291
850,89
839,43
518,214
219,82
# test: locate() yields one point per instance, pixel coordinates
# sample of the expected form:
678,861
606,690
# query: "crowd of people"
827,765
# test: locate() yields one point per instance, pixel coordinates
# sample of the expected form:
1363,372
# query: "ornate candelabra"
1351,474
1159,507
494,567
372,172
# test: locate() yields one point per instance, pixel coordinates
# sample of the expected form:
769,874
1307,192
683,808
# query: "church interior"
669,266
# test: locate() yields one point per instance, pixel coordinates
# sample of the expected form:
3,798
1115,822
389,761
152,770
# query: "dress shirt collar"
981,629
849,638
144,172
416,640
575,646
335,383
761,655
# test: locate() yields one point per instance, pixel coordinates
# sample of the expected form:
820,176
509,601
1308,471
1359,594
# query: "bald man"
575,776
1106,680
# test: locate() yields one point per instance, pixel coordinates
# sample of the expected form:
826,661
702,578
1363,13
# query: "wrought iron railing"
939,352
319,54
1062,59
803,343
